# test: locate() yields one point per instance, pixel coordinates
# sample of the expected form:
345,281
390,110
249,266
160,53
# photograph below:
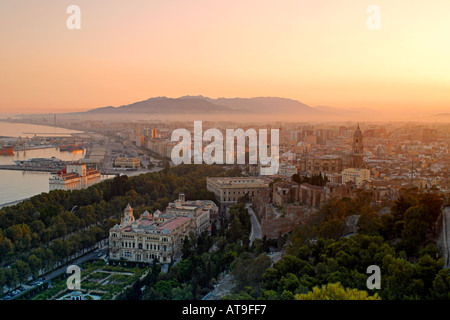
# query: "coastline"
12,203
39,130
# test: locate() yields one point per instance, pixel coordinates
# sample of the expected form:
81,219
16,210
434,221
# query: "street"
95,254
256,227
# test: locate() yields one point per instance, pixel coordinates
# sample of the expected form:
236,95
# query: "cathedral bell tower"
128,217
357,149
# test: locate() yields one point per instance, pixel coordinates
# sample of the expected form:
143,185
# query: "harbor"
105,172
32,165
23,148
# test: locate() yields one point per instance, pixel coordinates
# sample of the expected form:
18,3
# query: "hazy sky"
319,52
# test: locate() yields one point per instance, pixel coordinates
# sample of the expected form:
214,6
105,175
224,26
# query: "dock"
29,168
33,148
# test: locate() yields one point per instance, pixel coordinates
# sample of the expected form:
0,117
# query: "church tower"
357,149
128,217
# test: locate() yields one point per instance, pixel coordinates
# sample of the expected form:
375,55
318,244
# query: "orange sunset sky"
318,52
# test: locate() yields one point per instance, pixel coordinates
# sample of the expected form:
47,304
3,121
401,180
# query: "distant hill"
347,112
192,108
163,105
205,105
442,115
267,105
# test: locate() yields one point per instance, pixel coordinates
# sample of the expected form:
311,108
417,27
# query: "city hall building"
159,235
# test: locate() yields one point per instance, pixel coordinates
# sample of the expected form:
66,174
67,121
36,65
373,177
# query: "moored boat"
7,150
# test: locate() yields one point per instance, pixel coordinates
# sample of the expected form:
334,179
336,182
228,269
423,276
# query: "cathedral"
336,163
357,150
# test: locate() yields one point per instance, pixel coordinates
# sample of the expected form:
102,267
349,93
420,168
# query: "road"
130,173
256,227
222,288
225,285
78,262
48,277
446,235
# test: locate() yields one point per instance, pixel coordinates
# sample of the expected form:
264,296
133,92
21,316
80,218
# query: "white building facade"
159,235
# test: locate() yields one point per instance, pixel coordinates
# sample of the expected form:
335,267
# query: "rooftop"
172,224
240,180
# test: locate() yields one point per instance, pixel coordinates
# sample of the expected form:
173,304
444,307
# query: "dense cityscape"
224,159
366,191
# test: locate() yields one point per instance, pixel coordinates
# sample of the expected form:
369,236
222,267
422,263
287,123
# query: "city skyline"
187,151
322,54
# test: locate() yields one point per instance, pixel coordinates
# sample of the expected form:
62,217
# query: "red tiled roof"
172,224
145,222
68,176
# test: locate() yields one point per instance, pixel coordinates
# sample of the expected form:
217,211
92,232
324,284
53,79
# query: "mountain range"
205,105
246,109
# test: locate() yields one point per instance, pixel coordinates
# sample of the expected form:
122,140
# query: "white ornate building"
159,235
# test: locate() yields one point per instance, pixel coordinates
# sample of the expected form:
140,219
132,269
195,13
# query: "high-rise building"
429,135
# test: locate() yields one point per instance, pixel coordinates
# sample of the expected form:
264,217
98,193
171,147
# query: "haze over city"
251,154
320,53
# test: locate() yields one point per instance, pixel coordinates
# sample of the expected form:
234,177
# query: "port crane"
24,142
